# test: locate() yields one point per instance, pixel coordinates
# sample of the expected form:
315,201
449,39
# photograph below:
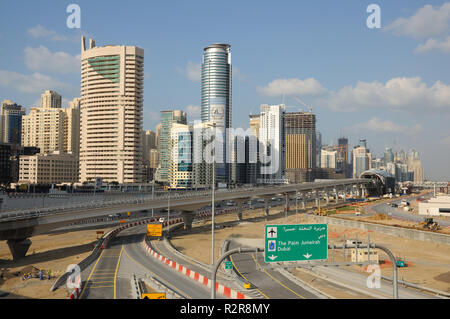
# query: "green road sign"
297,242
228,265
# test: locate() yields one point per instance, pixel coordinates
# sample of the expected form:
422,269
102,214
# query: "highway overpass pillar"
287,202
327,196
239,203
188,218
18,247
266,205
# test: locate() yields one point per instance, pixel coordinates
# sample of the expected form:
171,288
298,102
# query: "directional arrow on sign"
307,255
272,257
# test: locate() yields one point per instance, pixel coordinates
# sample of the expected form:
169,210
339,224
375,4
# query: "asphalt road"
110,276
401,214
269,283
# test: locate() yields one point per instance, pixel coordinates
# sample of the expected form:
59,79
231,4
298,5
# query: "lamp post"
213,205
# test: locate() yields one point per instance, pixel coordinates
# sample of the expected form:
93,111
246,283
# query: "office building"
362,158
181,168
414,164
11,122
300,146
52,168
343,157
112,83
216,99
168,118
388,155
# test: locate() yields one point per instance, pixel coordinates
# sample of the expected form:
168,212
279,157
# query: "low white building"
54,168
435,206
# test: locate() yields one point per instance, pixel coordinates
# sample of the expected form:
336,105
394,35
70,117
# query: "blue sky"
390,86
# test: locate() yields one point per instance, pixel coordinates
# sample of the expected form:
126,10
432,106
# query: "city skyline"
379,96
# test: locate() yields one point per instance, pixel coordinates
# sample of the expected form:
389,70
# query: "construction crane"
303,103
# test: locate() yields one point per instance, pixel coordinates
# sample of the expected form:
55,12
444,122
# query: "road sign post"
296,242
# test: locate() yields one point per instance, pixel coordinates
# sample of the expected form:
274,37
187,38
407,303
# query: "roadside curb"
224,290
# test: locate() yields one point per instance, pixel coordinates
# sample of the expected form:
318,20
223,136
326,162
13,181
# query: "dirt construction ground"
428,263
47,252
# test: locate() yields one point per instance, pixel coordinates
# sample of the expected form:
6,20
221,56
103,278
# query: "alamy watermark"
374,19
74,19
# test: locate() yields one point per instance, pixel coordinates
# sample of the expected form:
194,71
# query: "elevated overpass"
18,226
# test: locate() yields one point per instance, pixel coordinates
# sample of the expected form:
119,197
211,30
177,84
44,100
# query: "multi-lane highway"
110,276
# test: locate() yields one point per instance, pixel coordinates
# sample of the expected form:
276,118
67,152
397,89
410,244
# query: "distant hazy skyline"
390,86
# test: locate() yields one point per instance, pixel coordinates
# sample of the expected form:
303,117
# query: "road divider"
221,289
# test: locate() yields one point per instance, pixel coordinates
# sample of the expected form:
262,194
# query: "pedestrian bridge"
18,226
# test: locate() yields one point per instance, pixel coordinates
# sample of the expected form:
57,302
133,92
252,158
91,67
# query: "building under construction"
300,143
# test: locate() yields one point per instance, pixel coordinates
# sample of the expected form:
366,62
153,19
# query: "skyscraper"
168,118
216,99
388,156
300,146
50,99
343,157
52,128
272,139
181,166
11,122
112,82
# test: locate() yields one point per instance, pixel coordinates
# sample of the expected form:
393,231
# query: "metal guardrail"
50,211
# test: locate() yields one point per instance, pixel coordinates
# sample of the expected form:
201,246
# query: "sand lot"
54,252
428,263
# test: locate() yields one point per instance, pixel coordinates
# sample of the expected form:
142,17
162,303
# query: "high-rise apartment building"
52,128
216,99
329,159
11,122
272,139
300,146
362,158
112,84
50,99
415,165
168,118
72,127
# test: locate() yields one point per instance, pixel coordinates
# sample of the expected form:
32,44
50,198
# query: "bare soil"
428,263
47,252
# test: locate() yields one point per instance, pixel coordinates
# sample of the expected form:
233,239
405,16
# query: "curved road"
269,283
110,276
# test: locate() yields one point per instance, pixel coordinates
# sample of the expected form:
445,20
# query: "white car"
161,220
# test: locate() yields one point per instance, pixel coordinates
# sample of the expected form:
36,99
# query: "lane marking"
234,265
276,280
159,278
115,274
89,277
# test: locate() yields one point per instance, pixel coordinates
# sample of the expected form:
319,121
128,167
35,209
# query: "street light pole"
213,205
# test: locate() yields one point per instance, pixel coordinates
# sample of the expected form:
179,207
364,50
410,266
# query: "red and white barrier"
221,289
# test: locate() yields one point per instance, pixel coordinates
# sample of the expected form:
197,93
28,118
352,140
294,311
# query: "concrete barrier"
388,230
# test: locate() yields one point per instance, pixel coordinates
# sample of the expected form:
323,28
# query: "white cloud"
33,83
292,87
42,32
445,141
427,21
379,126
434,44
397,93
42,59
193,112
193,71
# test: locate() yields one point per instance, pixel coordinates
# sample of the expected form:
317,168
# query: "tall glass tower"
216,100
